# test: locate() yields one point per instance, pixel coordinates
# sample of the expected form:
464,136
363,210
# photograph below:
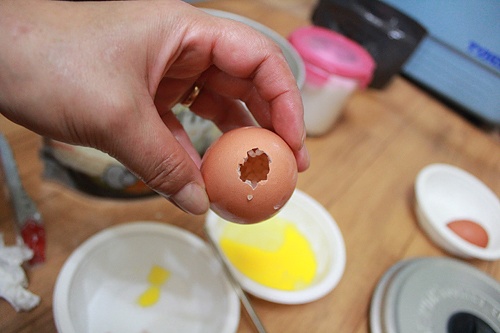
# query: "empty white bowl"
99,285
325,238
445,193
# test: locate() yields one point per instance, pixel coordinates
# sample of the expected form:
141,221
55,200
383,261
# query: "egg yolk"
156,278
149,297
273,253
158,275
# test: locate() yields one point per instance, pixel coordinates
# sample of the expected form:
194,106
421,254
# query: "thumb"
151,151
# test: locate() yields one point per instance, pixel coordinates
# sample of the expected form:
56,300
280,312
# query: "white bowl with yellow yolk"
144,276
297,256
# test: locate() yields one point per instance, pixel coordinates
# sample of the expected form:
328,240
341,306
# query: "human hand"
107,74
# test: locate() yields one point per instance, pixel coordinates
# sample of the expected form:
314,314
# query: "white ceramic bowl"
292,57
445,193
99,285
320,229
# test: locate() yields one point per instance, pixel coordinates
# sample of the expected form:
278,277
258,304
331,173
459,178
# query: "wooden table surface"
363,172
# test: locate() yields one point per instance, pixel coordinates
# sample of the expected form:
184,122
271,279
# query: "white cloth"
13,280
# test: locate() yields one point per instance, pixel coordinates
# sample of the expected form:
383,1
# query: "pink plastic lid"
327,53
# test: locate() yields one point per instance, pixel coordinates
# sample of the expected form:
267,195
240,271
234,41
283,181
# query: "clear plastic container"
335,67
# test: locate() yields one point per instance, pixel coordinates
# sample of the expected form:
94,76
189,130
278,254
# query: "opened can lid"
326,53
435,295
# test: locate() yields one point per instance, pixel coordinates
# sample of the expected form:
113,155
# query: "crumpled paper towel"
13,280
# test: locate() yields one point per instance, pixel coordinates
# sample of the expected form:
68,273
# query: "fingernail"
304,157
192,199
304,136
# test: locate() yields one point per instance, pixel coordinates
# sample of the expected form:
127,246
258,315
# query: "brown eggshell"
470,231
224,162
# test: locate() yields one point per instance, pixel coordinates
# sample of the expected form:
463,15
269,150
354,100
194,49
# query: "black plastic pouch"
387,34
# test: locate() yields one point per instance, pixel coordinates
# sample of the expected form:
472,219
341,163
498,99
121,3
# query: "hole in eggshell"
255,167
